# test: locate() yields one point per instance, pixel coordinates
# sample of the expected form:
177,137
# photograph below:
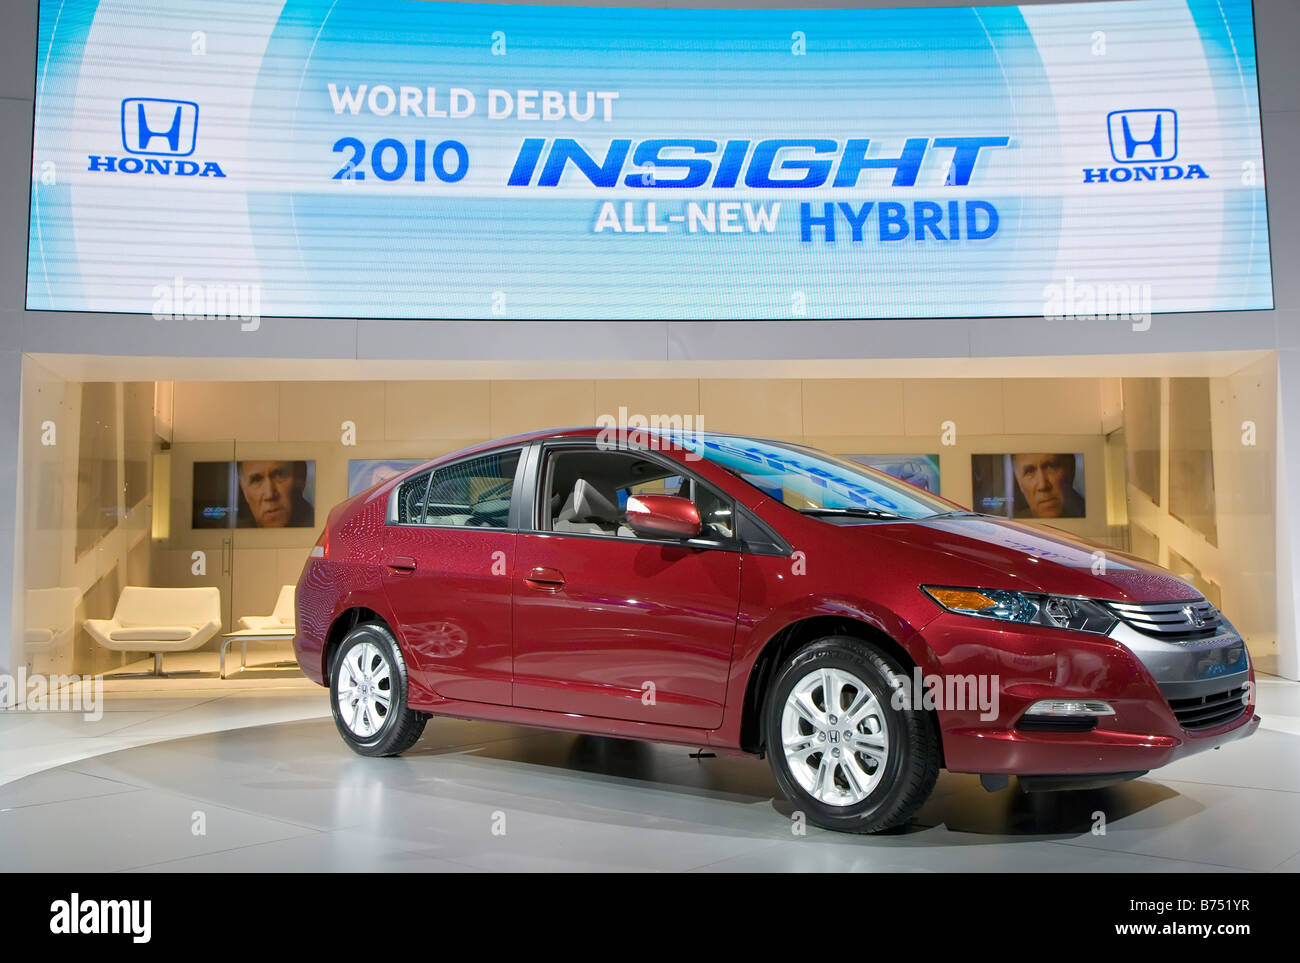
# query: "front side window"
586,493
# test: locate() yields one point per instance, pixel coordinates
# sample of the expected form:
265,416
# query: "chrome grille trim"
1192,617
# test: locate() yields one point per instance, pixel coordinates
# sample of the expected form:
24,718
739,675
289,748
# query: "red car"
765,598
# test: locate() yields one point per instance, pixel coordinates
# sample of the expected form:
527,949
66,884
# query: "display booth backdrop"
153,541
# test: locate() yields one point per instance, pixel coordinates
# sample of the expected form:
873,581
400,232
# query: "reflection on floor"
139,711
275,788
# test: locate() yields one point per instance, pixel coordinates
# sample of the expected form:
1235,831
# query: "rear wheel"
368,688
839,747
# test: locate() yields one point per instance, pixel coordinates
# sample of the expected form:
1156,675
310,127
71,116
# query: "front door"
615,625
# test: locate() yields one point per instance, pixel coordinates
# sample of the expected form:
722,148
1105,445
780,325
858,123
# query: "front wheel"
368,693
840,749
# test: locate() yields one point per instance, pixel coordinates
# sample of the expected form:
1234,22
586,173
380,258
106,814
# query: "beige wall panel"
852,408
519,406
858,444
445,446
225,410
421,410
975,405
770,409
679,398
316,410
1070,406
420,450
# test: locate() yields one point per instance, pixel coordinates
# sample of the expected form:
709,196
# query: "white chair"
160,620
49,618
277,626
280,620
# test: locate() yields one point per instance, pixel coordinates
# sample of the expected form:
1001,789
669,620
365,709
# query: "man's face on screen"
269,488
1044,481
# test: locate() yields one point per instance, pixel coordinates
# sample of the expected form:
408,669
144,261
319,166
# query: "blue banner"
381,158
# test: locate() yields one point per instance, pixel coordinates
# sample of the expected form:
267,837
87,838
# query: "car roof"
486,447
586,431
547,434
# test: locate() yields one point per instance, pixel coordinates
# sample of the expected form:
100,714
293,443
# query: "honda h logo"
1143,136
1143,141
163,132
159,127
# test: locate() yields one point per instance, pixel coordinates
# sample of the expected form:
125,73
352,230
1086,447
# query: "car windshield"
812,481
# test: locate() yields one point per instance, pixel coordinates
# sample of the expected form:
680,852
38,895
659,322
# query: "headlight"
1053,611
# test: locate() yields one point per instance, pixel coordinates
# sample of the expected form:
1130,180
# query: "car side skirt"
569,722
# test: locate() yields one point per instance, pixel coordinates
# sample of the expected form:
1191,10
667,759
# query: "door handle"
401,563
546,579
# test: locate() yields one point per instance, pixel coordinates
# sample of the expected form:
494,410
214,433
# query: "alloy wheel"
365,690
835,737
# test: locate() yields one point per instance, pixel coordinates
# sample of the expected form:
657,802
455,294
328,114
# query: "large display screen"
1029,485
271,493
216,159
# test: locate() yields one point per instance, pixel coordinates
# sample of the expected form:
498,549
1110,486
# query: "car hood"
1034,558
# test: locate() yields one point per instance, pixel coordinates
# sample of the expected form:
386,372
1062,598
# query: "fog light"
1070,707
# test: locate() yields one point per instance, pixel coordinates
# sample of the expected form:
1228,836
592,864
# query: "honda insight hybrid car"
759,597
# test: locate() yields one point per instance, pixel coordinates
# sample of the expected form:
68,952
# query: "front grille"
1210,710
1170,620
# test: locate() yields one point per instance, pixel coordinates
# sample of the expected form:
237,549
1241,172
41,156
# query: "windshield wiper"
956,513
851,512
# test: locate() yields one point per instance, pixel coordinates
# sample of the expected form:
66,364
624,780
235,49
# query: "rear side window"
474,493
410,499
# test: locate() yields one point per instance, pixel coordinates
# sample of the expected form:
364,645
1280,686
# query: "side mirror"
664,515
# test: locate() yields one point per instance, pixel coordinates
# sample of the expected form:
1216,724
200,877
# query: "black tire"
400,726
911,765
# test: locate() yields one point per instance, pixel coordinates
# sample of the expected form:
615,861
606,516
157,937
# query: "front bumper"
1142,678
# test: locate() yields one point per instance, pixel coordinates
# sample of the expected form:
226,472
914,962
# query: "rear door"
449,549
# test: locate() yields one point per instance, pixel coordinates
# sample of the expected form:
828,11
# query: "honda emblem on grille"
1194,615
